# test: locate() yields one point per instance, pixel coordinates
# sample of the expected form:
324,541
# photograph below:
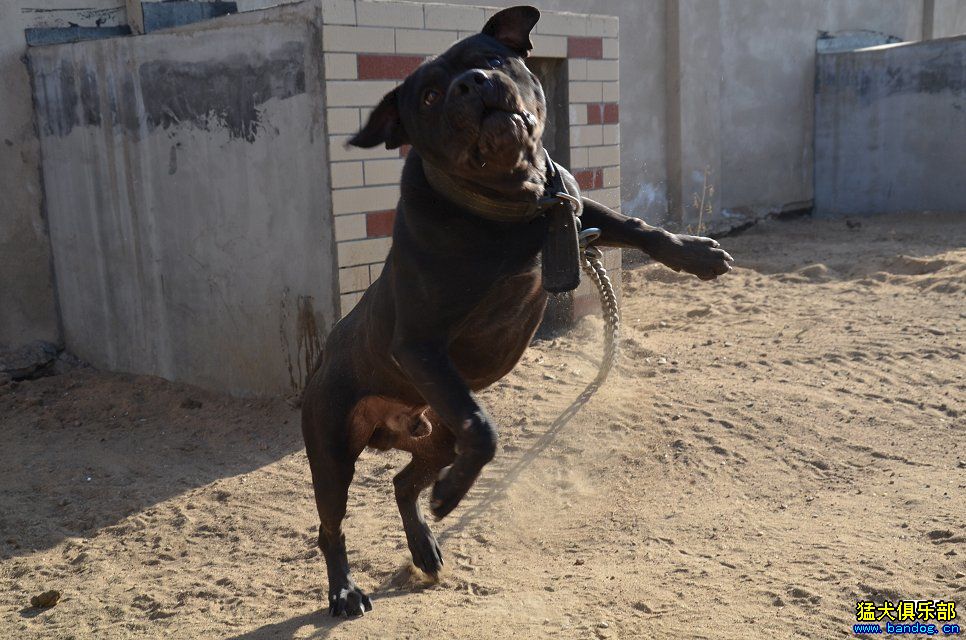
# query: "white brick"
577,114
586,92
383,171
358,252
579,158
375,270
611,92
350,227
356,93
611,50
341,66
602,70
349,300
607,197
604,156
346,174
611,26
342,120
548,46
612,177
562,24
611,258
423,41
358,39
364,199
389,14
440,16
586,136
339,150
339,11
353,278
577,69
595,25
611,134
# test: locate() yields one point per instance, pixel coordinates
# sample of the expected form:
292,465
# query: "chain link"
593,266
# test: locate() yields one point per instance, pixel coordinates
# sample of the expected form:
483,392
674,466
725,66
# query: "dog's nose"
471,80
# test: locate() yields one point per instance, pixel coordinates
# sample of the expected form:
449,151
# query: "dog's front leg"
432,372
693,254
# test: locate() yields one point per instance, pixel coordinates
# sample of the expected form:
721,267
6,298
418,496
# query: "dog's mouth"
513,116
505,135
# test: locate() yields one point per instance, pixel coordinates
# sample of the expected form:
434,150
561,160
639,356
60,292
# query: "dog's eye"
430,96
494,62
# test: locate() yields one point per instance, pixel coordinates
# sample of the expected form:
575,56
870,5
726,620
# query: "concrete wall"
188,198
943,18
768,75
890,129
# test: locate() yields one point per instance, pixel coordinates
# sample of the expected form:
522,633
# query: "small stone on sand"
46,599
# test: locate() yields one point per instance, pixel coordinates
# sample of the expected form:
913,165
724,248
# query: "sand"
773,447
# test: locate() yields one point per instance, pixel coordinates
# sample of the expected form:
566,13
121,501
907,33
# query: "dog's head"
475,111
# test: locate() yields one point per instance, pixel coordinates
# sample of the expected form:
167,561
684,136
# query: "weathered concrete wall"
768,71
27,306
187,194
889,129
948,18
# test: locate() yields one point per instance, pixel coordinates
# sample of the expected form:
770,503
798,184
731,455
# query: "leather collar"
495,209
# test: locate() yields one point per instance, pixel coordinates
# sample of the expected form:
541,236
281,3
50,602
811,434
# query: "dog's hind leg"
325,416
432,454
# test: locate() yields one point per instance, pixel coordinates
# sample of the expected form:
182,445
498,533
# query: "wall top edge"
490,9
910,44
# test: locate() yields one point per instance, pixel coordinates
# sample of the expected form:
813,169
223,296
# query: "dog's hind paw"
426,554
349,601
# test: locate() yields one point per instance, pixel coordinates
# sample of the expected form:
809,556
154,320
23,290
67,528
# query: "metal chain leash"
592,263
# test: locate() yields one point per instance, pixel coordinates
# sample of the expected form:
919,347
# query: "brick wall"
369,47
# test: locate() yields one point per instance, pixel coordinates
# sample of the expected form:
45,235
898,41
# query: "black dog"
460,296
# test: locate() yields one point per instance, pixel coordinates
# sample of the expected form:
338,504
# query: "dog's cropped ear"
512,27
383,126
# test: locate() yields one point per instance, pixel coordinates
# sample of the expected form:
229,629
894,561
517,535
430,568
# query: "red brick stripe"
386,67
607,113
379,223
590,179
579,47
611,113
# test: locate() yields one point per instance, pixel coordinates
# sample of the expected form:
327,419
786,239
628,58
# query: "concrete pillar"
693,110
135,16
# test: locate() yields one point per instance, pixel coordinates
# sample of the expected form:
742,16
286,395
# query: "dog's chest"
494,335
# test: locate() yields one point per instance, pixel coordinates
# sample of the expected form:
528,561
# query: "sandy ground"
773,447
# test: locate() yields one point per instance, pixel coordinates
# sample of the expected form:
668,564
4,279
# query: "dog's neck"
521,200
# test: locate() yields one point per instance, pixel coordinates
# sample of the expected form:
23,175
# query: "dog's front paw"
697,255
349,601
